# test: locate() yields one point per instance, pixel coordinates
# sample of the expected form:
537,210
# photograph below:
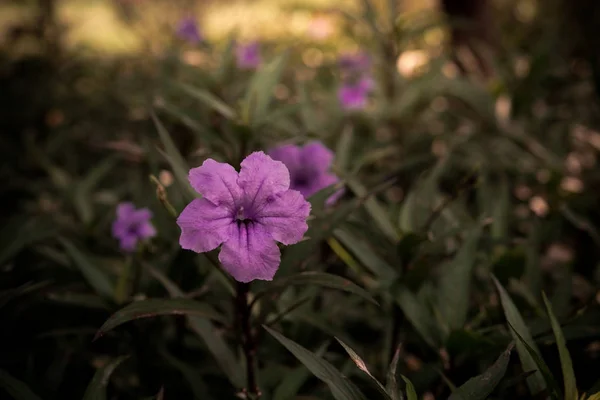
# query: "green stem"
122,289
247,338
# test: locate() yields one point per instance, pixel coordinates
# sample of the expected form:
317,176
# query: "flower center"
301,180
240,216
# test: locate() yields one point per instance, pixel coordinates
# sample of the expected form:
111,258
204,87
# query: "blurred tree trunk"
472,33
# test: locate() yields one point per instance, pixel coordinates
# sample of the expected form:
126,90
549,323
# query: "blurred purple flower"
131,226
248,55
246,213
309,168
354,95
188,30
356,63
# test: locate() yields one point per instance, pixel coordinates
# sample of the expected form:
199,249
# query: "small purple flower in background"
357,82
248,55
244,213
354,95
309,168
132,225
188,30
356,63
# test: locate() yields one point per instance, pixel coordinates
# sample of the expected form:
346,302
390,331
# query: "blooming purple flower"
245,213
131,226
248,55
188,30
354,95
309,168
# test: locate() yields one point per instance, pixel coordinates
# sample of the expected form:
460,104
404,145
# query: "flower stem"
122,289
247,338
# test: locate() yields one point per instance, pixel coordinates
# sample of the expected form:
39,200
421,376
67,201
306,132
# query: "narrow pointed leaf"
209,99
411,393
481,386
320,279
202,327
378,266
536,381
155,307
294,380
419,316
175,159
391,384
541,366
94,276
260,92
16,388
455,282
570,386
96,390
341,387
363,367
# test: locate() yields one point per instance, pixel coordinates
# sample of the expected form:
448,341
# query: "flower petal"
216,182
289,155
285,217
261,178
140,216
120,228
146,230
250,254
128,243
125,209
316,156
204,226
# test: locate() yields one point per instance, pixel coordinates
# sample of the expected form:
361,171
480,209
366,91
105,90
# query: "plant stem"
248,344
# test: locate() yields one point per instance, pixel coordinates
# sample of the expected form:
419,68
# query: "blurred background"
510,88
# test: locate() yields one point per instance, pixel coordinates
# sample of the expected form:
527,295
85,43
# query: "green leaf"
209,99
15,388
94,276
154,307
481,386
260,92
522,336
207,332
454,285
378,266
175,159
341,387
542,368
319,279
375,210
391,384
411,393
363,367
307,113
22,231
190,374
570,386
202,132
293,381
96,390
82,195
419,316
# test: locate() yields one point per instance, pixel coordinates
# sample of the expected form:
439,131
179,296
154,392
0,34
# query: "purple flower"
248,55
354,95
131,226
188,30
356,63
246,213
309,168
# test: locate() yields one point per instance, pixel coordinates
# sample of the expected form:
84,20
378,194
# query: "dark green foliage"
461,262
